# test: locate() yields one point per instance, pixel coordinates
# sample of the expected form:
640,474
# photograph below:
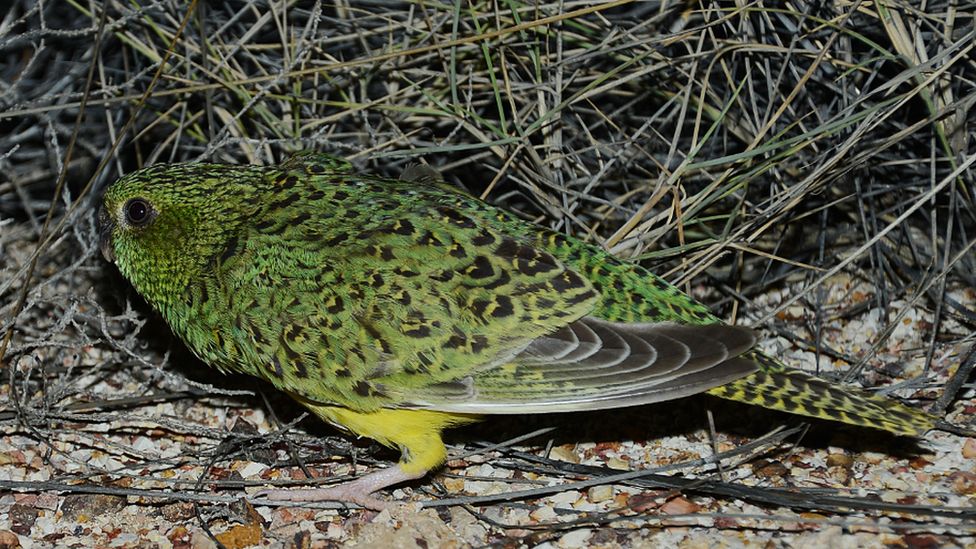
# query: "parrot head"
162,225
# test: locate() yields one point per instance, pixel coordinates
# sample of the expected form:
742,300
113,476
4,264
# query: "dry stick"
504,444
22,298
716,250
625,230
921,201
44,240
742,522
955,383
813,499
45,237
130,402
918,293
611,476
335,66
774,496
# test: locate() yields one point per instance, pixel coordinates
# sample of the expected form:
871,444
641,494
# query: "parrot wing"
409,295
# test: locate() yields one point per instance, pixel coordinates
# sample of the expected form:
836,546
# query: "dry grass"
737,148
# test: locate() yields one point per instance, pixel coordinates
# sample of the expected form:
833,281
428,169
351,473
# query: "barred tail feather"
801,393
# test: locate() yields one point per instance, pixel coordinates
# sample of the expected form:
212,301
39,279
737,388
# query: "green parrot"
395,309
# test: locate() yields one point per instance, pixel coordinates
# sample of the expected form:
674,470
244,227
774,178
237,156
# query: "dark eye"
138,212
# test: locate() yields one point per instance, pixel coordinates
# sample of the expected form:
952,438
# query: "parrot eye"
138,212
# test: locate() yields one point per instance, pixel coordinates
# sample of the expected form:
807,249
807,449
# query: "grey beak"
105,226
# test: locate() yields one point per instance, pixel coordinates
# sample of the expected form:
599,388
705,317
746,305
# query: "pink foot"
358,492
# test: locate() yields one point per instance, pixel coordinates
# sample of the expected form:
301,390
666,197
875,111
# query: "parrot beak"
105,227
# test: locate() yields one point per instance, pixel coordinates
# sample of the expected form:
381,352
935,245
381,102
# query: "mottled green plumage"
360,294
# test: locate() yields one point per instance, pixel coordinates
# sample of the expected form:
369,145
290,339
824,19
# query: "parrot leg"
359,491
417,433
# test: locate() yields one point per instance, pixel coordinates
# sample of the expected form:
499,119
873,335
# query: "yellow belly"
417,433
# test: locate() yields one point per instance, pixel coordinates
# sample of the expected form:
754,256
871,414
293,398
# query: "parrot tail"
779,388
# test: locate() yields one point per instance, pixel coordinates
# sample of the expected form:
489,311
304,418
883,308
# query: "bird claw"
358,492
344,493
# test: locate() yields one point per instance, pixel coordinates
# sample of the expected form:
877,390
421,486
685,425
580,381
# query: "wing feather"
426,300
623,365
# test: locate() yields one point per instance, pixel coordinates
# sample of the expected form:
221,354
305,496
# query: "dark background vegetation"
735,148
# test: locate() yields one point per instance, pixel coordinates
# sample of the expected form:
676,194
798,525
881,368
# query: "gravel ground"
752,147
177,472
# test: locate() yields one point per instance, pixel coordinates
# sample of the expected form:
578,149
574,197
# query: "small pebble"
969,448
568,497
679,506
576,538
543,514
596,494
564,453
839,460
